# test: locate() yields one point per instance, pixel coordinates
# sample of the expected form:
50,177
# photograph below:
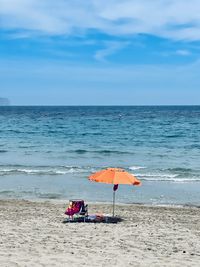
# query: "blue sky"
73,52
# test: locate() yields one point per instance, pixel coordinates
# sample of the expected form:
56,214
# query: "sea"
48,152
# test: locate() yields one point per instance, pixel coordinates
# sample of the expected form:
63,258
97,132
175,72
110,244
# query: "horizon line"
90,105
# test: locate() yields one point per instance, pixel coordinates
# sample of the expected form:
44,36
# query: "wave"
170,179
104,151
157,175
43,170
3,151
167,177
51,170
177,174
174,135
180,169
89,134
172,175
133,168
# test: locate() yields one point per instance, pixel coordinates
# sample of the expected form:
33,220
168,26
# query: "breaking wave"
133,168
42,170
143,173
159,177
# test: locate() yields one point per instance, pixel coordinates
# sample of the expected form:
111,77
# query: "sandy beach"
32,234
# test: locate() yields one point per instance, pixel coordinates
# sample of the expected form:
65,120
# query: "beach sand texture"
32,234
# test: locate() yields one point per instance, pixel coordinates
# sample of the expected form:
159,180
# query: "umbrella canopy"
114,176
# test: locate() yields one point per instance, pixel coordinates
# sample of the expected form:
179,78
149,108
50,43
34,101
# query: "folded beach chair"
78,209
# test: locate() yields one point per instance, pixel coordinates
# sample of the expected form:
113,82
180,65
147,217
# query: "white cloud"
183,52
110,48
179,52
174,19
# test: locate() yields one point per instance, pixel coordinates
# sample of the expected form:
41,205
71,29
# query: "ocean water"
49,152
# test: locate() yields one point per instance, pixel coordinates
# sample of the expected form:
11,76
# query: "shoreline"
33,235
66,201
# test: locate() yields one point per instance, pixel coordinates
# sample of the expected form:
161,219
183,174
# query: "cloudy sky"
100,52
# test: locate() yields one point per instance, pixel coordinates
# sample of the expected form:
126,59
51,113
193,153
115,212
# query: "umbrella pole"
113,203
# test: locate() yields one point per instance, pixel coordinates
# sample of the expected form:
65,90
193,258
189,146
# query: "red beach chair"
77,207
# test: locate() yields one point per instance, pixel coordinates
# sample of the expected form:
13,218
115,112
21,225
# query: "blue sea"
49,152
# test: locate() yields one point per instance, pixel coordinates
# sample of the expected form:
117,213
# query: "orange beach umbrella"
114,176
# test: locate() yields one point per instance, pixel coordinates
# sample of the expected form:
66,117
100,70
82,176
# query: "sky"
100,52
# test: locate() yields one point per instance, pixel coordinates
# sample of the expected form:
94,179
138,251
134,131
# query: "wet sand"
32,234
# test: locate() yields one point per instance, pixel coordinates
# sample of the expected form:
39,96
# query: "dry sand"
32,234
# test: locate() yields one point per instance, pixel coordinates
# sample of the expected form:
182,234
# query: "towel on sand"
95,218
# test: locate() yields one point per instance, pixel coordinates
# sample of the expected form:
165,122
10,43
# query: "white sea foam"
169,179
64,170
133,168
156,175
45,170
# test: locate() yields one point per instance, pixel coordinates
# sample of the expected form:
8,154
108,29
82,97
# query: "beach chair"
77,210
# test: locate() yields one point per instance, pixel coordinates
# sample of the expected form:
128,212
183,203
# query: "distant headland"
4,101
